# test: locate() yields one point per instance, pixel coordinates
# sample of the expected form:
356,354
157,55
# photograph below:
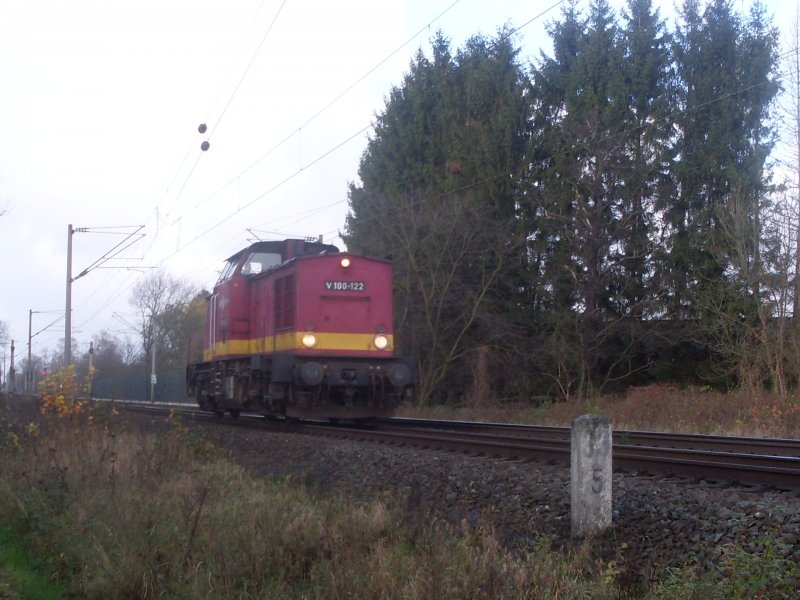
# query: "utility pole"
29,368
68,310
130,239
11,382
153,364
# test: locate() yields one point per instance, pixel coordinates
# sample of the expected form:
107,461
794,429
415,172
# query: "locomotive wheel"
234,413
219,413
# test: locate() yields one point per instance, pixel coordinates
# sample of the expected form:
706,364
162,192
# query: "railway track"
718,443
749,461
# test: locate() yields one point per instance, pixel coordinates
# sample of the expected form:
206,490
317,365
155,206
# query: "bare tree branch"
4,334
159,297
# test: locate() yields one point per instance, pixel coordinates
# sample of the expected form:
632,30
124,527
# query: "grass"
20,574
115,514
652,408
763,573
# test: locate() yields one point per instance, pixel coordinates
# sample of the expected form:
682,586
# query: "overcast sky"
99,108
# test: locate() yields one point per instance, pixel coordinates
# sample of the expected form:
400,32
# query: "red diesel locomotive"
298,329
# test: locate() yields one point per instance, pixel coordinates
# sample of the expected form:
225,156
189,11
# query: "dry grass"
652,408
123,514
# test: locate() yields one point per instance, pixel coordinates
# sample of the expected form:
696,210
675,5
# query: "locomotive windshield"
230,266
258,262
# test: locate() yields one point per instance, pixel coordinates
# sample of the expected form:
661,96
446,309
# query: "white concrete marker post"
590,475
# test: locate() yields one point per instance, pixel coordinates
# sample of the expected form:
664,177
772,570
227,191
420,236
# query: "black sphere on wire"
202,128
204,146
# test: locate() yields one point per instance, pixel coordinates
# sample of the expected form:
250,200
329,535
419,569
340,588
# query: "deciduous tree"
161,300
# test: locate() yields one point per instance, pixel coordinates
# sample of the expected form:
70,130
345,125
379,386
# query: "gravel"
657,522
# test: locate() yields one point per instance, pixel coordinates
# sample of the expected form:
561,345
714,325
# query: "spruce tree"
577,190
438,191
726,87
649,136
725,67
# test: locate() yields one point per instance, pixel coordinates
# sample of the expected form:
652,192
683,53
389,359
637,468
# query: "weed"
764,572
62,394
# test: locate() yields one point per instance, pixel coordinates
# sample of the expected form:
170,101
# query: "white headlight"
381,341
345,262
309,339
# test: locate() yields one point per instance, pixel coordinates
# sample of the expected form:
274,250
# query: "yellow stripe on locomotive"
294,340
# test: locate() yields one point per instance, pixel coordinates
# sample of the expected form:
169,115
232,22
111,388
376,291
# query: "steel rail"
782,472
718,443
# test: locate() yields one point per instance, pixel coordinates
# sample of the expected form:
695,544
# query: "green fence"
170,386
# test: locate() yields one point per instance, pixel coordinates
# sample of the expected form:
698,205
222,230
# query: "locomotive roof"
289,248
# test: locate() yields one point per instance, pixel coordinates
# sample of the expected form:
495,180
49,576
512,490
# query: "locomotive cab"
228,309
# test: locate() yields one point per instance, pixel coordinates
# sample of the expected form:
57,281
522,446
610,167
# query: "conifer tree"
726,89
581,124
649,139
726,86
438,191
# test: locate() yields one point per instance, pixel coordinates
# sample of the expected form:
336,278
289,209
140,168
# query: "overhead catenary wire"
247,69
197,158
458,190
56,321
319,112
347,90
329,151
228,103
267,192
234,213
305,123
219,92
316,160
473,184
326,107
130,239
217,122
